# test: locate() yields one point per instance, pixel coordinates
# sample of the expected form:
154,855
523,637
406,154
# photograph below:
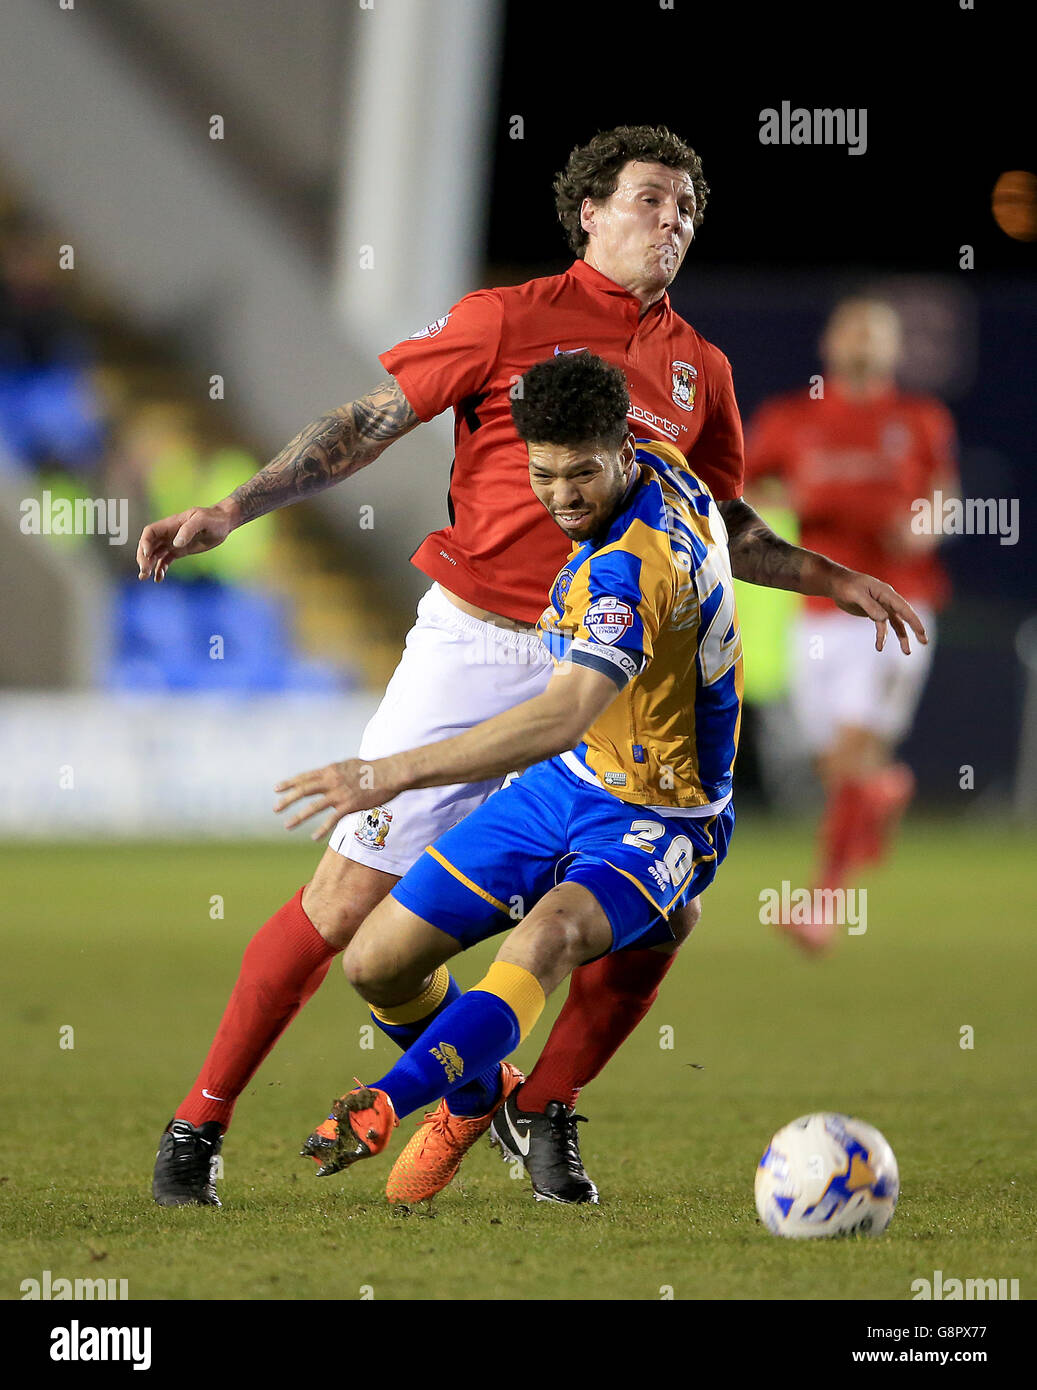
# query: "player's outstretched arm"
867,597
334,447
759,556
540,728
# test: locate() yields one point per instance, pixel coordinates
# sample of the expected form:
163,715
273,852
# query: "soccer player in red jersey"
851,463
630,201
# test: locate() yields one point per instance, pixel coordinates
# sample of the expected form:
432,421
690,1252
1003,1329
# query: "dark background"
948,93
788,230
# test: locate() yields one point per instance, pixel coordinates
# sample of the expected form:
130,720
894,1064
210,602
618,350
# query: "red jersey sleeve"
452,358
718,455
765,440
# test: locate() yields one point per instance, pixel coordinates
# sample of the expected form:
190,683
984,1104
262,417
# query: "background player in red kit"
629,201
851,463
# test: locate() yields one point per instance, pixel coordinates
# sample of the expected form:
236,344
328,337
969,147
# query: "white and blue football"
827,1175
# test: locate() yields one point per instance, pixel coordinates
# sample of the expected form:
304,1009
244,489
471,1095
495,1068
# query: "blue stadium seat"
208,636
49,413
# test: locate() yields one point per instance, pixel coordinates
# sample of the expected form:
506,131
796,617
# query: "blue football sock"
475,1097
403,1034
473,1035
478,1096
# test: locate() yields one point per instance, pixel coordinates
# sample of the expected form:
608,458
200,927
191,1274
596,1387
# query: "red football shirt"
852,467
501,550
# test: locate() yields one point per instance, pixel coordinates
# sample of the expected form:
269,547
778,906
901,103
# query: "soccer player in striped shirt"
625,813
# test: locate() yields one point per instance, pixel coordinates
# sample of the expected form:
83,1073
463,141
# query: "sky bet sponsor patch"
608,619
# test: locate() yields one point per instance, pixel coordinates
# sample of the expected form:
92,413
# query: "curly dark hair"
575,398
593,171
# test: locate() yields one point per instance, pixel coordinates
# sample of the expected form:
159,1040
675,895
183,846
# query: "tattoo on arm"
757,554
334,447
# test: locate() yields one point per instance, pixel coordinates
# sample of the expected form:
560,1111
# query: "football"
827,1175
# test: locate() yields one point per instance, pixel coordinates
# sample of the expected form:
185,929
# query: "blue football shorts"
548,827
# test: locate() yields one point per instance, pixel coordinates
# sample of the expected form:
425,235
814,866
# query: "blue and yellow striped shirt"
651,605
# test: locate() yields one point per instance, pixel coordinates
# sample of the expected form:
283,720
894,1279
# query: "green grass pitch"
119,945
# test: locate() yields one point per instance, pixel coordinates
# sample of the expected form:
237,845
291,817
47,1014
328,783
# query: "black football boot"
548,1147
185,1165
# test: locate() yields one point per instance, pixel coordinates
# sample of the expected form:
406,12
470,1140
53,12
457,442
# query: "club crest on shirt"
608,619
684,378
372,827
431,329
563,584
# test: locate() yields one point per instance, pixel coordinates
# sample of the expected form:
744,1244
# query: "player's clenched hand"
343,787
866,597
186,533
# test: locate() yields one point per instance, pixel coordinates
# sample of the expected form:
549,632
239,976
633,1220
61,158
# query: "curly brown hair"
573,399
593,171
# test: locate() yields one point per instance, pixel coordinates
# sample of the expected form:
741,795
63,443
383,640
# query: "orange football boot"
371,1120
434,1152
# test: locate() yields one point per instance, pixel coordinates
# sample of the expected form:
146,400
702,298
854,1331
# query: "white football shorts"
455,672
839,679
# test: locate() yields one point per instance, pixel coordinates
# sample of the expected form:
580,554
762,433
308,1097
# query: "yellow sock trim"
430,998
520,990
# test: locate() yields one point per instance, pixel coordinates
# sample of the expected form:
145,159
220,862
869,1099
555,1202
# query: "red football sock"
283,966
887,794
844,822
607,1000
